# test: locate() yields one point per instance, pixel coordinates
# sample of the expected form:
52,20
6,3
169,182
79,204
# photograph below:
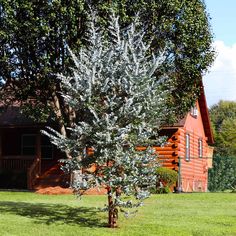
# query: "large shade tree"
223,117
34,34
120,108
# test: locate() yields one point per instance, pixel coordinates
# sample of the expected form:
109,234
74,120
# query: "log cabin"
28,159
188,150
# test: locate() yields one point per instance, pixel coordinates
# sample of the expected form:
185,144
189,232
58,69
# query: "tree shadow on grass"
43,213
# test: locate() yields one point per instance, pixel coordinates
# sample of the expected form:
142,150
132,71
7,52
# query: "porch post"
38,149
1,149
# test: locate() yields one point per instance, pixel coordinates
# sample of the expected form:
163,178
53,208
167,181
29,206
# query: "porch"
25,155
19,171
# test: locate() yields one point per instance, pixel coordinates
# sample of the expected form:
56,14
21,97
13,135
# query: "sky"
220,81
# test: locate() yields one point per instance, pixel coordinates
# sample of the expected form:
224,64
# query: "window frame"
187,147
194,111
200,148
47,146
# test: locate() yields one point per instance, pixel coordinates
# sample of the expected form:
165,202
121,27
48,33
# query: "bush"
166,179
223,174
162,190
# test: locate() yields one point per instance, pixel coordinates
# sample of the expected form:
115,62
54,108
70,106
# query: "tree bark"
57,110
112,210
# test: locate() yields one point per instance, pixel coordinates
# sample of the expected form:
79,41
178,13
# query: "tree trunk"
112,210
57,110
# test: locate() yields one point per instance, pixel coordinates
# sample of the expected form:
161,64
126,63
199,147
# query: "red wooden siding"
193,173
168,155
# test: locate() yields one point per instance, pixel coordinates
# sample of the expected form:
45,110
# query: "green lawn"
174,214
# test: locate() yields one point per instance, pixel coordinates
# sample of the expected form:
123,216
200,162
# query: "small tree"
120,106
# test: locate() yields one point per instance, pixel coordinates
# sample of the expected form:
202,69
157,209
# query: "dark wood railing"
16,163
33,173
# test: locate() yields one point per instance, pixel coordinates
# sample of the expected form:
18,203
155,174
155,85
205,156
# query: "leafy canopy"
223,118
34,35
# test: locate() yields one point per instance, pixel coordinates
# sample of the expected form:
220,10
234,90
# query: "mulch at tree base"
59,190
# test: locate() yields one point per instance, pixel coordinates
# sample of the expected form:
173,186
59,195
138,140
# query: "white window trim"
200,148
187,147
194,111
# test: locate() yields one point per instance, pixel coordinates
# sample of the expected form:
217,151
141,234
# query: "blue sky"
220,82
223,14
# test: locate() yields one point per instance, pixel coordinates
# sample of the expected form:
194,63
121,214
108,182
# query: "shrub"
223,174
166,178
162,190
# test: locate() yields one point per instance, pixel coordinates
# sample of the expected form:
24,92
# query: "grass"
23,213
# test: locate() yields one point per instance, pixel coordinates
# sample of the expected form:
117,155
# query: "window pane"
46,152
200,148
194,111
45,140
187,147
28,140
28,151
28,145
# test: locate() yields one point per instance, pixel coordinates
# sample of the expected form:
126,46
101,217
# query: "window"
187,147
28,144
46,148
200,148
194,111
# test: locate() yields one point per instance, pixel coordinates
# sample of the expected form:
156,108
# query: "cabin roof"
204,114
11,116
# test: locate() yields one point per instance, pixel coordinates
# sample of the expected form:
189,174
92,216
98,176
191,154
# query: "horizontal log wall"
168,155
193,173
16,164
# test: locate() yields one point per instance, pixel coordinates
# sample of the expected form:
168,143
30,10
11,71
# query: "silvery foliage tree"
119,106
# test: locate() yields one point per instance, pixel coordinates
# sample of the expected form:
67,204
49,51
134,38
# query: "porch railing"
14,163
33,173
